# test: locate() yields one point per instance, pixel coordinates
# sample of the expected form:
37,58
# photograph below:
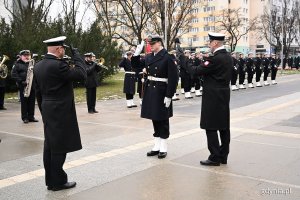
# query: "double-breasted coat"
130,76
160,66
54,89
216,71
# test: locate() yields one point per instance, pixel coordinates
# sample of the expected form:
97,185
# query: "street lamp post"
166,24
282,29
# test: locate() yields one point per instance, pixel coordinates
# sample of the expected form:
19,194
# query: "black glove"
74,51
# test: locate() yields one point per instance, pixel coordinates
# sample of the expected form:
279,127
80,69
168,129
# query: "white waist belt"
129,72
152,78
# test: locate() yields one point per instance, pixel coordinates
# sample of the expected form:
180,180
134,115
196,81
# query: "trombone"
3,67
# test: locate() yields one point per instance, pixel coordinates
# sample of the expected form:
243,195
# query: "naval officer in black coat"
54,89
129,79
160,86
215,112
91,84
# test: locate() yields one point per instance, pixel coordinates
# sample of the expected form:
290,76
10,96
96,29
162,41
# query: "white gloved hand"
144,71
139,49
143,80
167,102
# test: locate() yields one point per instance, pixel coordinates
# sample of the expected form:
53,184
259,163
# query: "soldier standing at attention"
160,86
250,69
129,80
258,69
235,72
274,67
215,111
266,64
242,71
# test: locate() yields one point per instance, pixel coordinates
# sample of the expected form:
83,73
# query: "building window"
195,20
209,28
195,39
209,8
209,19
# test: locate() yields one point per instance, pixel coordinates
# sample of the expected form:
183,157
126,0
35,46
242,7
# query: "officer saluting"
215,112
160,86
54,88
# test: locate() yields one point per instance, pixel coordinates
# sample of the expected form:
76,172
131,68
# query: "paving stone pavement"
264,161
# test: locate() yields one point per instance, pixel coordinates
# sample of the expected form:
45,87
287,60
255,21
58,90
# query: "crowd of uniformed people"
156,74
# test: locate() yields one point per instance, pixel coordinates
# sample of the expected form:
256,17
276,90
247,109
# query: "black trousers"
2,93
250,76
91,98
129,96
53,164
218,152
182,82
186,79
258,74
242,75
197,83
234,77
161,128
140,88
266,73
27,104
273,73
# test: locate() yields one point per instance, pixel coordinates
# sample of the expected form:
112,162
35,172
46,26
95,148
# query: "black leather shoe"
33,120
152,153
162,155
189,97
49,187
25,121
3,108
224,162
91,112
129,107
65,186
133,106
209,163
95,111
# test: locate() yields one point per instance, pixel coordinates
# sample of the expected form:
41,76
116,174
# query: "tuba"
29,78
3,67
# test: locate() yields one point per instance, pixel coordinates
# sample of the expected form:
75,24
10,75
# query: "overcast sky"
88,18
57,8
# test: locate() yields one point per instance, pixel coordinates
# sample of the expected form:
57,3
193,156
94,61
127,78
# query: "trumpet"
3,67
100,62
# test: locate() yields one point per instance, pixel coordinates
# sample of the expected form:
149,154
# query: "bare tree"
71,10
179,13
106,14
297,26
279,26
235,24
28,11
124,20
